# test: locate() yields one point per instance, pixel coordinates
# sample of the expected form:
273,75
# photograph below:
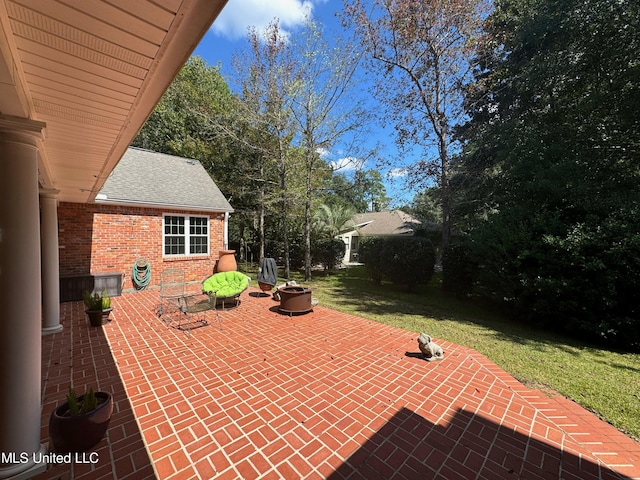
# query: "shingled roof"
391,222
143,177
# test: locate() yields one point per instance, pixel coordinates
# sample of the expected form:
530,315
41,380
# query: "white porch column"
50,262
20,296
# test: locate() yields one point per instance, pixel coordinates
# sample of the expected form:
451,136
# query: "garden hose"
141,273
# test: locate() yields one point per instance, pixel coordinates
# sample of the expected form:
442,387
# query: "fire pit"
295,299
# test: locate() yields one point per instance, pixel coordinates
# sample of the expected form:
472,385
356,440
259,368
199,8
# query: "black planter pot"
97,317
79,433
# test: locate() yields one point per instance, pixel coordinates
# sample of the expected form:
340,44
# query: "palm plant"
333,219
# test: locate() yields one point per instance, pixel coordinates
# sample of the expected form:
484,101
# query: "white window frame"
186,235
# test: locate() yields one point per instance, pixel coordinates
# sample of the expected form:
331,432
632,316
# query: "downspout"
225,231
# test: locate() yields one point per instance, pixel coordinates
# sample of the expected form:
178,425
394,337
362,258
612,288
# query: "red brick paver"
320,395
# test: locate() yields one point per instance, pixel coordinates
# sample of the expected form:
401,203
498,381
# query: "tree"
325,109
332,220
425,205
178,123
424,49
339,190
554,134
181,124
267,75
328,222
370,191
366,192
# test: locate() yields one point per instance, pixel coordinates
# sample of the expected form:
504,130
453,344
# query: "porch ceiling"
92,70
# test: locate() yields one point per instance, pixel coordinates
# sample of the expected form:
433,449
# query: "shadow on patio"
321,395
470,446
80,356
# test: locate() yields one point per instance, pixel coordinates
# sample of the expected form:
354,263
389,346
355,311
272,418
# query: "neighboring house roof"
143,177
391,222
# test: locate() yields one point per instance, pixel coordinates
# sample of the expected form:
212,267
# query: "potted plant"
81,422
98,307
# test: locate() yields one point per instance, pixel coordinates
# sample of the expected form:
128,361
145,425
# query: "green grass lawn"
603,381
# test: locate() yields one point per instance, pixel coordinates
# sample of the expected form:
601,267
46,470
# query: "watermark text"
50,458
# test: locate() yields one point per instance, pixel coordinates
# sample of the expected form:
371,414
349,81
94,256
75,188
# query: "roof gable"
161,180
390,222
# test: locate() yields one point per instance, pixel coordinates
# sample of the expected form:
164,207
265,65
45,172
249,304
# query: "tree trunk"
307,219
444,184
446,209
307,238
261,213
243,245
285,214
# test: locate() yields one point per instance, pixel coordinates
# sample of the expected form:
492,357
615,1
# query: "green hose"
141,273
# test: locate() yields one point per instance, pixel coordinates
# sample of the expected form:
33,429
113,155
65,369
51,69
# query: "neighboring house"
154,206
378,224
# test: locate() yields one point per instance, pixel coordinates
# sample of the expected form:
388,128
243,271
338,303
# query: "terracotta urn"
226,261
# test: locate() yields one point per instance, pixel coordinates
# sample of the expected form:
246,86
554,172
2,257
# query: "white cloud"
398,172
323,152
347,163
238,15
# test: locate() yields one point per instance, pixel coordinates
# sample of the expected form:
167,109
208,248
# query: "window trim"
186,235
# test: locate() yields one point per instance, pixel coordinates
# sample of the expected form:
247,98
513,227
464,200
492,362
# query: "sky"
227,37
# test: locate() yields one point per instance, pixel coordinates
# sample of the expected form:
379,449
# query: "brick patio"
320,395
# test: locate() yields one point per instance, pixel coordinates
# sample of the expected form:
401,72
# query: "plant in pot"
81,422
98,307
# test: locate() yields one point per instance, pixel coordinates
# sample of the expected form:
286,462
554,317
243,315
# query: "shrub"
581,278
457,269
407,261
296,256
369,254
328,252
275,249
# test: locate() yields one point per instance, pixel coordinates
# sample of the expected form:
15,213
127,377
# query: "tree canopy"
425,50
179,123
554,140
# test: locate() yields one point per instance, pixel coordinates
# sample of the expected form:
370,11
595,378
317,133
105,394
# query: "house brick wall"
96,238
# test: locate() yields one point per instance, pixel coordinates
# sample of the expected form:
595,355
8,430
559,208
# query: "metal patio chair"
176,305
171,291
194,308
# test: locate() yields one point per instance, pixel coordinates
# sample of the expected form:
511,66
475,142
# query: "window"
198,235
185,235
